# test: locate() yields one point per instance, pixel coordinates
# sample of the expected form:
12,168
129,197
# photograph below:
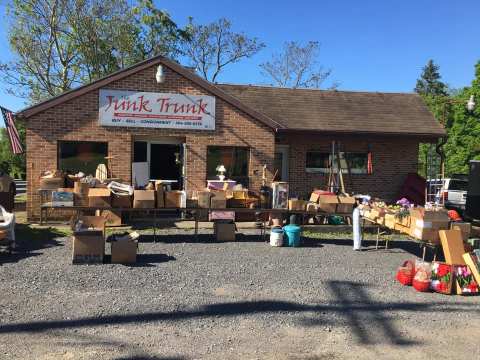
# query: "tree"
297,67
213,46
429,82
463,142
11,163
59,44
434,93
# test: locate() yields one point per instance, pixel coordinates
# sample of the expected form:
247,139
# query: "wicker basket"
405,273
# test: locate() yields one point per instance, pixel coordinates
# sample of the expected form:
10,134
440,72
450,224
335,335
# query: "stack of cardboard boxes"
425,225
332,204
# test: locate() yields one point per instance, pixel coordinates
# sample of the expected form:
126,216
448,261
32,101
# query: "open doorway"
156,160
166,162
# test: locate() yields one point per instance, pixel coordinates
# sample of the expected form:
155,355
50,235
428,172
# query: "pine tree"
429,82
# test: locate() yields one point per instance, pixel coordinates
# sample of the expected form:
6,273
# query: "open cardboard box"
89,240
98,197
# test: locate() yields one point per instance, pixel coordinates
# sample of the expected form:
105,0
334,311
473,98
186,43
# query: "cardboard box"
314,197
203,198
160,196
218,200
112,217
424,234
464,227
80,200
312,207
240,194
429,215
224,231
99,197
328,203
69,190
175,199
62,198
452,245
404,220
121,201
80,188
401,228
390,221
144,199
294,204
431,224
51,183
221,215
89,241
345,204
124,252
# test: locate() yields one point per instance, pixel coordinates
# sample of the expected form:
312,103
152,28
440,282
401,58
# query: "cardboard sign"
156,110
452,244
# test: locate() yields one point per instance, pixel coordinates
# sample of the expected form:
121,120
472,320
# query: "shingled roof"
340,111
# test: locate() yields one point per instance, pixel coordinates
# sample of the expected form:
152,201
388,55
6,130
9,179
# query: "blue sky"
371,45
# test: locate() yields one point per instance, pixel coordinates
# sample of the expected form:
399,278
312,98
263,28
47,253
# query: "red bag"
406,272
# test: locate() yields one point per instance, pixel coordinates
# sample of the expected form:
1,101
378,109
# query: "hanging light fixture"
471,103
159,75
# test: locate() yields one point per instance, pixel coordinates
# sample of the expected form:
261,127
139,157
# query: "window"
235,160
84,156
459,185
319,162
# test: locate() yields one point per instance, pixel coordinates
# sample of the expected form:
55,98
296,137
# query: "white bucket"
276,238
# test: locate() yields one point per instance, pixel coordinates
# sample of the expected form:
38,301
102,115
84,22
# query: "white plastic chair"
8,224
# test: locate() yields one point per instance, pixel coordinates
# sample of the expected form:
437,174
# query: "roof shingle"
340,111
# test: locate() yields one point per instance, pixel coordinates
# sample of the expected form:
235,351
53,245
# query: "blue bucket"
293,235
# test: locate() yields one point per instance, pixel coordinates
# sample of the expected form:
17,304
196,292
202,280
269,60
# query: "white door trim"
284,150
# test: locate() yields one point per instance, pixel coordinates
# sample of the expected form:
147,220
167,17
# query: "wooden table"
381,231
195,211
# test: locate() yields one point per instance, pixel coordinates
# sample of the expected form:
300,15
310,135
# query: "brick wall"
77,120
393,159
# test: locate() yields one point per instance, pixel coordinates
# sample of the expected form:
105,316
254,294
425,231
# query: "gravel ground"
238,300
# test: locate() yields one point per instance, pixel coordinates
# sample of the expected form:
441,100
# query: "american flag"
16,144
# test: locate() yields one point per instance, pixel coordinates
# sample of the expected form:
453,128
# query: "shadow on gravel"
199,239
31,239
411,247
370,321
144,357
144,260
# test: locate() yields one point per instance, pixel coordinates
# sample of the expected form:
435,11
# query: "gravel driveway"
238,300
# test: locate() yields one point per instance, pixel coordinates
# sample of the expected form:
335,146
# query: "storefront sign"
156,110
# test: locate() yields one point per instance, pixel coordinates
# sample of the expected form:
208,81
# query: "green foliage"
462,126
463,142
60,44
429,82
10,163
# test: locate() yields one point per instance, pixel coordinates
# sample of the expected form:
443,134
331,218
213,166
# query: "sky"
370,45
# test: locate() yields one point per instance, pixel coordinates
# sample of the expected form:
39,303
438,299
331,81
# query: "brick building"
158,120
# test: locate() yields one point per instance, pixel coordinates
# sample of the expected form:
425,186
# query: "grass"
21,198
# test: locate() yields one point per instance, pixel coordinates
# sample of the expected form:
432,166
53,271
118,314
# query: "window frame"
323,170
78,142
243,179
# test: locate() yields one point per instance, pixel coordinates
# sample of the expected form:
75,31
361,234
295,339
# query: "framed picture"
464,280
472,260
442,277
